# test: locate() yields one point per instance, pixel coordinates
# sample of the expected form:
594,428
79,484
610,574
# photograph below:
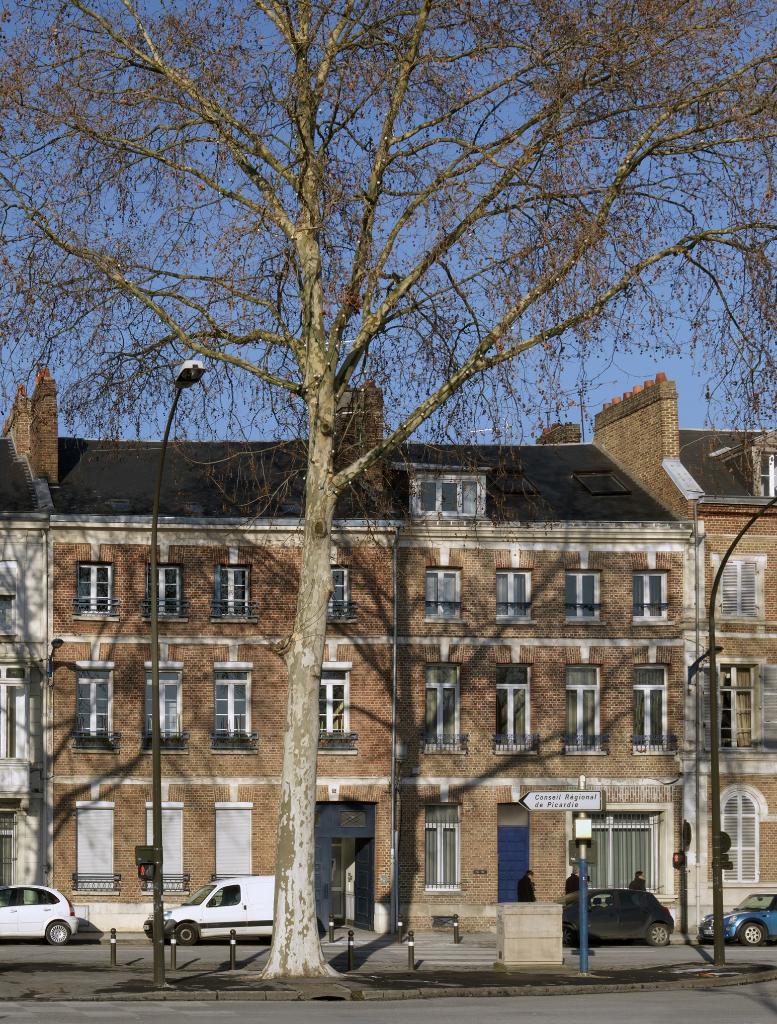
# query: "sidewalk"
81,971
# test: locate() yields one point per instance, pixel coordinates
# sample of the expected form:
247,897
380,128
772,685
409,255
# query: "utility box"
528,935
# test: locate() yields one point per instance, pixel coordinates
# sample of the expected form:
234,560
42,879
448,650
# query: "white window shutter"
233,841
704,725
172,839
729,589
769,706
740,821
748,575
94,838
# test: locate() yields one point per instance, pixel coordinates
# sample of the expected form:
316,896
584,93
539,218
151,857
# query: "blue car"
753,922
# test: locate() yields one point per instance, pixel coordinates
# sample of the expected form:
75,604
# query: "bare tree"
307,194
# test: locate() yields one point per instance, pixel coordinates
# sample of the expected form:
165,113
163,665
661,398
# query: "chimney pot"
636,389
616,400
649,383
626,394
660,377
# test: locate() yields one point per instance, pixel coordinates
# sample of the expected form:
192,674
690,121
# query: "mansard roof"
16,492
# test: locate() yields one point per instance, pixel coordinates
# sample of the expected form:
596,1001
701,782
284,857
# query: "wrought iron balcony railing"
337,740
96,883
585,743
337,611
514,743
444,742
170,883
94,737
582,609
171,737
95,606
655,744
650,609
234,739
168,607
513,609
235,609
443,609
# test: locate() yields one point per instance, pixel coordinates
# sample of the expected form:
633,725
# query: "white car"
36,912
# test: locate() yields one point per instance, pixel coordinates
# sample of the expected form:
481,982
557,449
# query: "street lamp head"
189,372
56,643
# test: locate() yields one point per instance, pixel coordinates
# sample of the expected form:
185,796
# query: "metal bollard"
173,953
113,947
456,932
400,926
411,950
350,949
331,929
232,949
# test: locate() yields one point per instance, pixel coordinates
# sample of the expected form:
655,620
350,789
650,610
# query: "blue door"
512,851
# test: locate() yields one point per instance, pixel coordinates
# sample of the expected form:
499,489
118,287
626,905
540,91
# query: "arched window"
740,821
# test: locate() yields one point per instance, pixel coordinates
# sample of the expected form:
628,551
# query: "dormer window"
768,481
449,495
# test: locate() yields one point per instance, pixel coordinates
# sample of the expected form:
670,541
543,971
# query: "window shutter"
729,589
740,821
747,589
704,725
769,706
172,839
94,837
233,840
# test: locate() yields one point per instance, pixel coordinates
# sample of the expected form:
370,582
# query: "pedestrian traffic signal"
678,860
146,872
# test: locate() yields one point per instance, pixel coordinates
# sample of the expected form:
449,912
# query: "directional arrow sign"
558,800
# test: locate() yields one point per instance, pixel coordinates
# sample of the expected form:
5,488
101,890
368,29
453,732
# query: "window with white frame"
443,593
626,843
649,593
768,481
94,589
232,591
581,595
13,712
449,496
340,606
231,703
736,705
170,593
441,847
169,703
649,707
582,687
94,846
172,842
741,823
233,839
513,595
739,588
513,724
8,597
93,702
333,703
442,705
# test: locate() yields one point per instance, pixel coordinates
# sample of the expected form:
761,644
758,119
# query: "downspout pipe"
394,906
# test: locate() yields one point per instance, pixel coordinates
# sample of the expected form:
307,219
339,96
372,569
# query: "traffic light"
146,872
678,860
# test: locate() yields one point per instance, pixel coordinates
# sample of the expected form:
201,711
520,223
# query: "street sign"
563,800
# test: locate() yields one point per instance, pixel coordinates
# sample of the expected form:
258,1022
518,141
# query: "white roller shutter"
769,706
233,840
94,837
172,838
740,821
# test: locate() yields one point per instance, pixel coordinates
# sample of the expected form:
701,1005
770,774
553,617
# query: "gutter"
394,854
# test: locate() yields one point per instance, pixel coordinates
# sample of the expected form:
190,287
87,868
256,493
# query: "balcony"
443,609
444,743
650,610
170,883
234,609
585,743
340,611
170,739
513,609
337,740
582,610
654,744
14,777
96,883
94,737
234,739
95,606
513,743
169,608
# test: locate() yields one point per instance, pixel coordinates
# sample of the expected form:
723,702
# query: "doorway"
512,845
345,859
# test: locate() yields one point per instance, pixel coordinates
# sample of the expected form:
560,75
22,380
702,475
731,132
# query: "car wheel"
752,934
568,936
57,933
187,934
658,934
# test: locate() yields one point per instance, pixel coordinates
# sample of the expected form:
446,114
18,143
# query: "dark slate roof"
727,473
263,478
16,493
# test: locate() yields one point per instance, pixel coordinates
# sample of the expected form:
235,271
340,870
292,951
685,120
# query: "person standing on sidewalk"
572,884
638,881
526,888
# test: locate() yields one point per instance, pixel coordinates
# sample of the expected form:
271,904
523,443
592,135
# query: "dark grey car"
619,914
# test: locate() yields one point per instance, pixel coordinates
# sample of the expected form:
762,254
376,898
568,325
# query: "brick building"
718,480
514,617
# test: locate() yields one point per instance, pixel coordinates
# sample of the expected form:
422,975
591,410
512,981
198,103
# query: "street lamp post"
187,374
717,858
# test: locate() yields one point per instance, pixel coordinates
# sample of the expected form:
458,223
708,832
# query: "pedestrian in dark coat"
572,884
526,888
638,881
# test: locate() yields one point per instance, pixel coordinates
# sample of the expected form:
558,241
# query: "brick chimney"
639,431
560,433
360,426
33,426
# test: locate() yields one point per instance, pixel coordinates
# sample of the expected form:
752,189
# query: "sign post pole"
583,923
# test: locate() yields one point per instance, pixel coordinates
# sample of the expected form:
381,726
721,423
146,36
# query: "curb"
369,995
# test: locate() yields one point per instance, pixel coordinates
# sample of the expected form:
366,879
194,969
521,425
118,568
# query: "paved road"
753,1004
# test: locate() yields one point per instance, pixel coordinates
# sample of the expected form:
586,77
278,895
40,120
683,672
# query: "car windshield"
756,901
199,897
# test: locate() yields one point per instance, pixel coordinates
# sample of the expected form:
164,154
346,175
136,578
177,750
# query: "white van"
244,903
